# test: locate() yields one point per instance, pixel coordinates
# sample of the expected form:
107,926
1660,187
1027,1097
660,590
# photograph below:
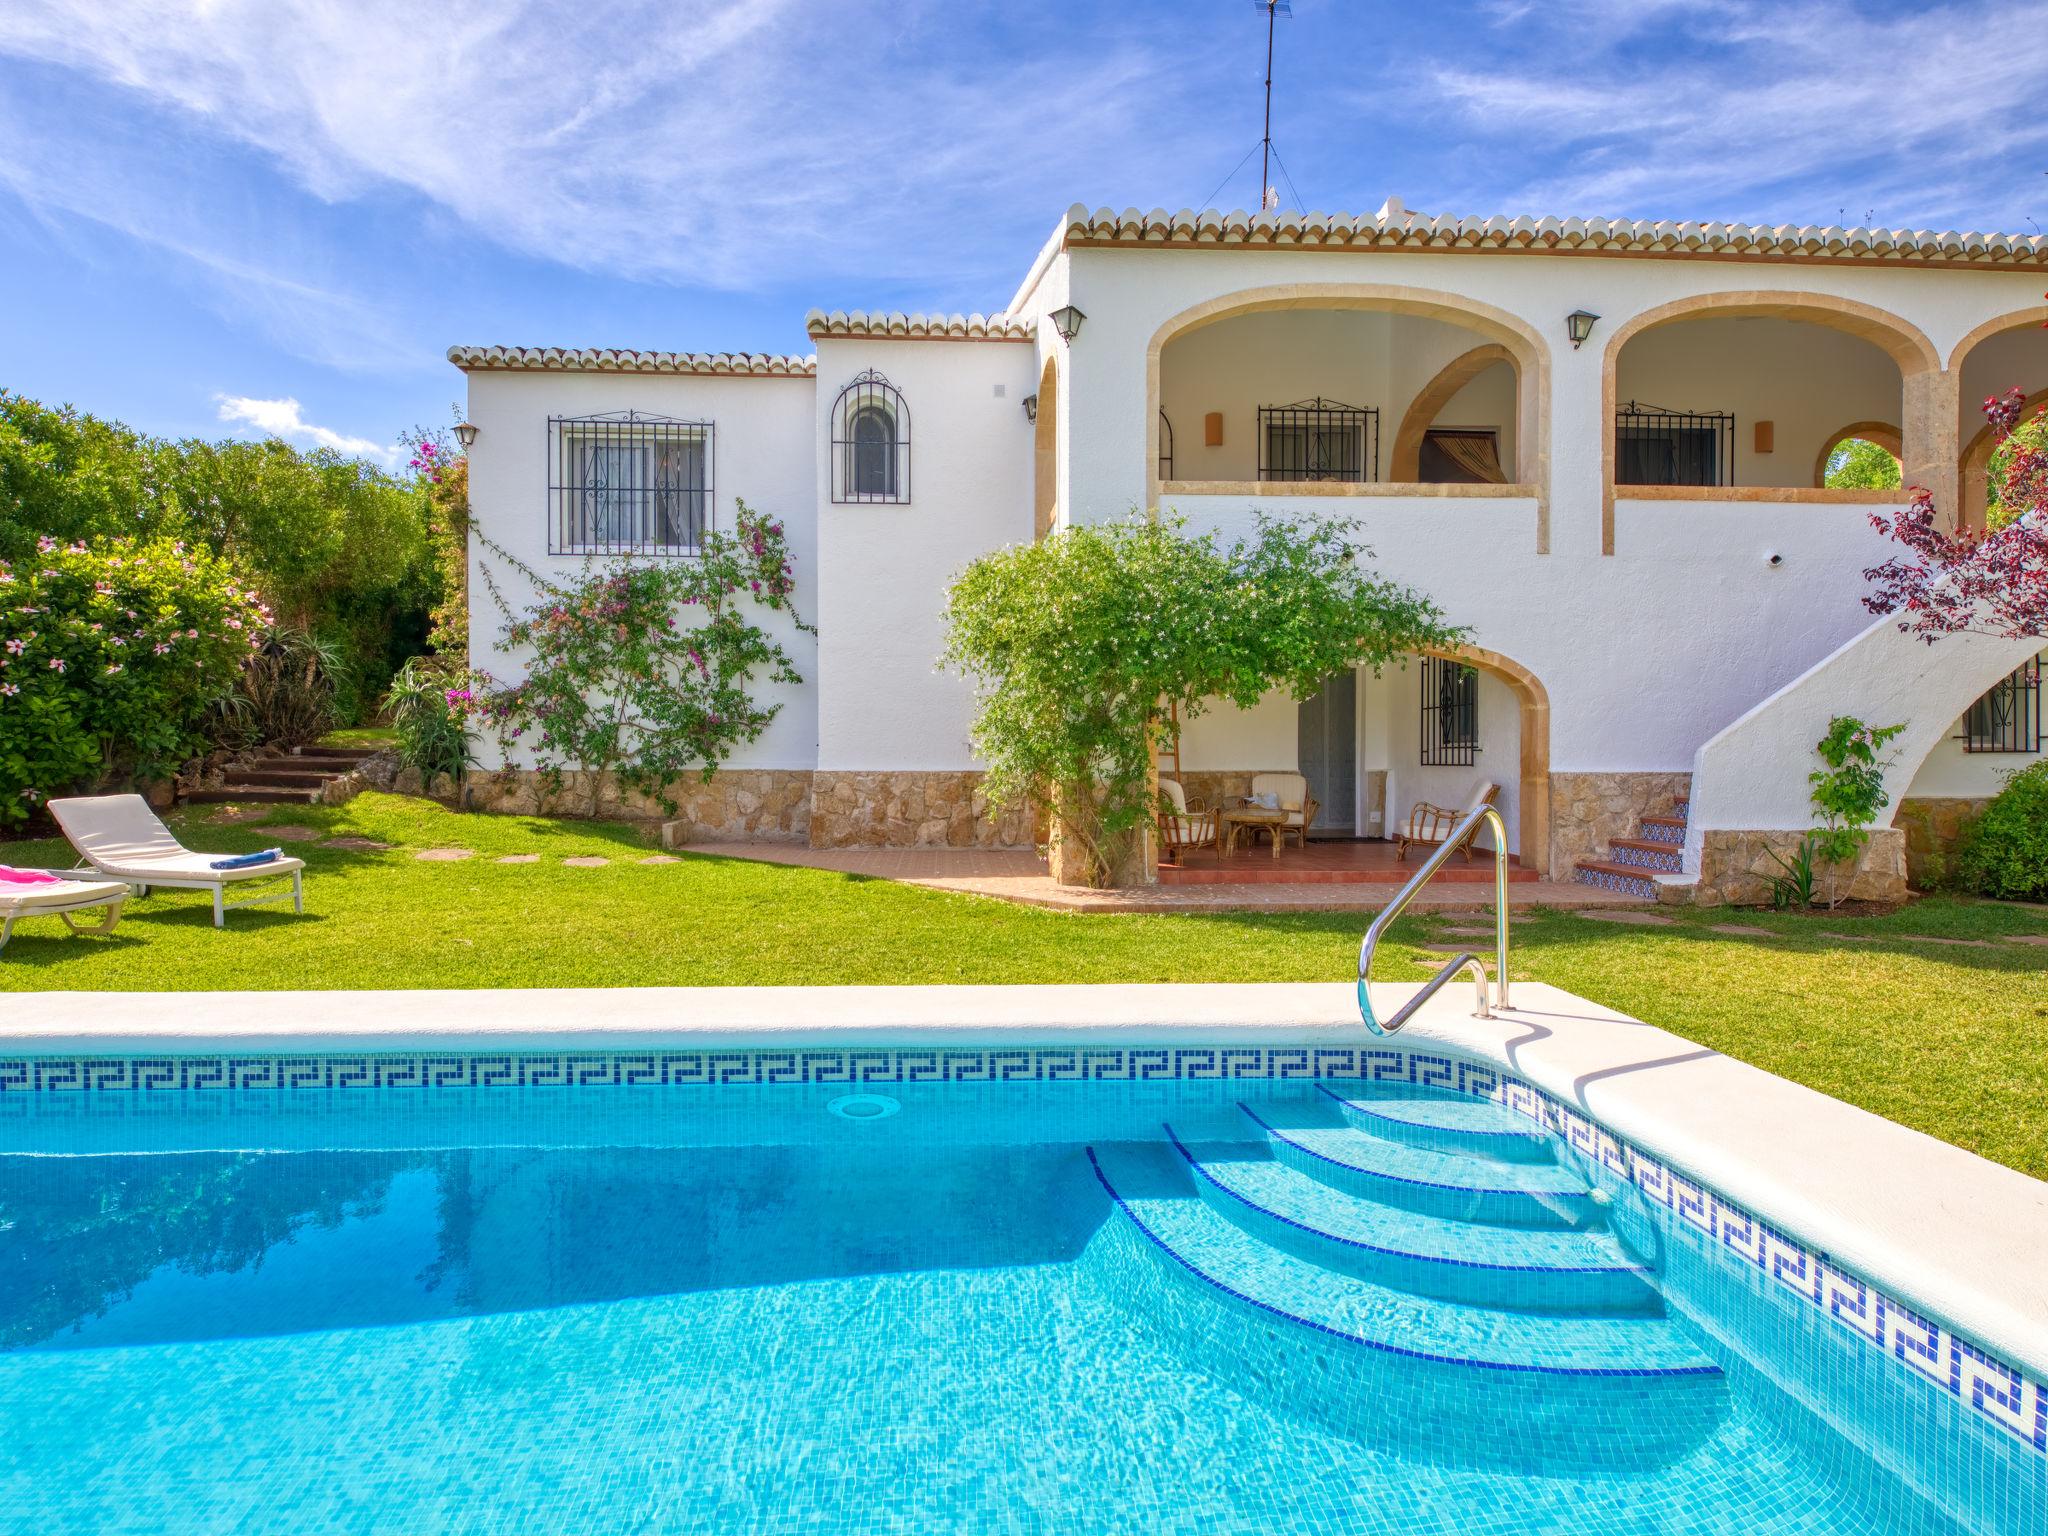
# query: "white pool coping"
1960,1239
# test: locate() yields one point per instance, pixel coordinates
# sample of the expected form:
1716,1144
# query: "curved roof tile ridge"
626,360
1399,226
920,326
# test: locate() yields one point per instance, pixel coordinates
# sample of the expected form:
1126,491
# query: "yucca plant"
429,706
285,695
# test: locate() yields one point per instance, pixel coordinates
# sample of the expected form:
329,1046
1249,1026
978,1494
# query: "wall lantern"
1579,325
1031,407
465,434
1067,321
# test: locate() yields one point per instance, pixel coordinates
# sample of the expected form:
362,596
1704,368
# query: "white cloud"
1749,107
285,419
730,143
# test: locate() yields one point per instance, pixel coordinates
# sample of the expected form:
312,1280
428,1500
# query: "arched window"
870,442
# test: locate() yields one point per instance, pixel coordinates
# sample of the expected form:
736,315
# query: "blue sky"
242,216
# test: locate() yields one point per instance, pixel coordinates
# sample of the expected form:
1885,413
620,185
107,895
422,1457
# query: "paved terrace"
1019,875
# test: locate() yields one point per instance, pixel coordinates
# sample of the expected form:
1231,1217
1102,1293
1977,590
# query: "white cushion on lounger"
18,898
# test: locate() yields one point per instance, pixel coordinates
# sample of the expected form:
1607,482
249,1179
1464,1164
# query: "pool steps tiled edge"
1937,1355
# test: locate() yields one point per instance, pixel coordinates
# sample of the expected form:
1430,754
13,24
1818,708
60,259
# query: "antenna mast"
1274,9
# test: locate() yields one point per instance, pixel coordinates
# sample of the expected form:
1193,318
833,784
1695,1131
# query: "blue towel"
245,860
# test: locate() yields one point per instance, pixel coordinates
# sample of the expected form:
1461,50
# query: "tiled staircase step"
1662,829
1646,853
1625,879
1440,1121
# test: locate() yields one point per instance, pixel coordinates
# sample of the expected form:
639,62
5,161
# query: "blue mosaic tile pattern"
1627,885
1667,858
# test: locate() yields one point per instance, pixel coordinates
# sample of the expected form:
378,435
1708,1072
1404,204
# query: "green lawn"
1950,1039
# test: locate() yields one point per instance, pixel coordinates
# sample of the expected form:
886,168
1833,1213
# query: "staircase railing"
1463,833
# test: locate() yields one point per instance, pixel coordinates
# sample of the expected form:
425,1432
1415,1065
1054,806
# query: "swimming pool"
1022,1290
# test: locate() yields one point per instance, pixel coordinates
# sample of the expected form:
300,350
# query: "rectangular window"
628,484
1450,714
1318,440
2008,718
1653,446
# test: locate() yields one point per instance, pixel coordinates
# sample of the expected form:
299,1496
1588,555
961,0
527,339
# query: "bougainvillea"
641,672
1993,582
112,659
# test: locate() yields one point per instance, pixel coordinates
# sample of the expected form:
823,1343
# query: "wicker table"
1251,818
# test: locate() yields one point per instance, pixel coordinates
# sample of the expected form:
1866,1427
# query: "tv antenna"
1269,196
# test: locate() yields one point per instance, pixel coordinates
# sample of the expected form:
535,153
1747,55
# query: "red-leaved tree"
1991,583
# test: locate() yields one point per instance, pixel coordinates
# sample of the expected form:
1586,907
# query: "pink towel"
11,876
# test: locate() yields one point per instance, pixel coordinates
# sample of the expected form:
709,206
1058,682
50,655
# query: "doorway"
1327,741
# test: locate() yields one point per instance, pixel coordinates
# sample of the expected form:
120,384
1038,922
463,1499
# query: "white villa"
1598,444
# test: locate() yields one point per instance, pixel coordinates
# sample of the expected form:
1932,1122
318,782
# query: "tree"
1859,464
1848,792
1991,583
1082,645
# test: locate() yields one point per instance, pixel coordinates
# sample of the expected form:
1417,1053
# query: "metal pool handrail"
1480,816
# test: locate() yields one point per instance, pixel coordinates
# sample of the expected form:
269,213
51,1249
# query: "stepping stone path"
588,862
292,834
445,855
1468,933
2027,938
1640,919
662,858
1853,938
356,844
1741,931
519,858
1928,938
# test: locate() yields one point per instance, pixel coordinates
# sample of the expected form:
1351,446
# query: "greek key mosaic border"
2005,1397
1999,1392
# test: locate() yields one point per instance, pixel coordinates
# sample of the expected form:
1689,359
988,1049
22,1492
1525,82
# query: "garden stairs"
1409,1255
299,778
1633,864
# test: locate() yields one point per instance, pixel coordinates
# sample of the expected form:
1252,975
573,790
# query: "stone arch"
1974,467
1045,452
2033,314
1532,699
1882,433
1524,347
1920,371
1406,463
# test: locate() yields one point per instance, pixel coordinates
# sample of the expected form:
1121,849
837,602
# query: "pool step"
1454,1185
1440,1121
1528,1269
1466,1379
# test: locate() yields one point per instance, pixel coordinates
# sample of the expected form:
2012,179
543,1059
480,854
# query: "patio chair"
1428,825
58,896
1290,791
121,837
1181,825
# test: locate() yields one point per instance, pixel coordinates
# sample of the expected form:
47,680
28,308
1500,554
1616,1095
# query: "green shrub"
286,695
114,661
2005,851
431,706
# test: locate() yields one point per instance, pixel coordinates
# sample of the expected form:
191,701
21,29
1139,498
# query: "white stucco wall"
884,569
763,454
1950,772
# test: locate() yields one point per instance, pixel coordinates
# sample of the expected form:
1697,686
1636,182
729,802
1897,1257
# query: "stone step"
343,754
281,778
253,794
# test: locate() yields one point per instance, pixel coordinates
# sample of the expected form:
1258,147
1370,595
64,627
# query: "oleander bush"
2005,851
116,661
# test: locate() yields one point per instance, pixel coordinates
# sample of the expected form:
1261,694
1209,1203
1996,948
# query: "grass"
360,736
1947,1039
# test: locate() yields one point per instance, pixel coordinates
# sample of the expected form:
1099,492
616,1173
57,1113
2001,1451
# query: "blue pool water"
1072,1308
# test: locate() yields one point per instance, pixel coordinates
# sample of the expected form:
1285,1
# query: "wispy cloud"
1750,110
286,419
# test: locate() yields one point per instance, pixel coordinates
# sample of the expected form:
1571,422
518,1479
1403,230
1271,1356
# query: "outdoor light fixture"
1067,321
465,433
1031,407
1579,325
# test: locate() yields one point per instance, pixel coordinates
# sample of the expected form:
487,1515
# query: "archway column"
1928,457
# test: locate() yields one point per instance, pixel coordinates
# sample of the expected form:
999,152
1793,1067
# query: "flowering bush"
435,709
443,472
111,660
641,672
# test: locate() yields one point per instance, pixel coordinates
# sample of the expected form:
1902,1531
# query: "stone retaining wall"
761,805
895,809
1934,830
1736,868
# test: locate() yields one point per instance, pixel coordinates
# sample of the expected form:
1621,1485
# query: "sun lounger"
121,838
60,896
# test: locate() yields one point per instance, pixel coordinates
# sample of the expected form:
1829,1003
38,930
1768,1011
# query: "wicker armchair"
1428,825
1291,790
1181,825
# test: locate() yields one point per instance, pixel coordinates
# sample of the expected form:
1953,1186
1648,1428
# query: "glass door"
1328,744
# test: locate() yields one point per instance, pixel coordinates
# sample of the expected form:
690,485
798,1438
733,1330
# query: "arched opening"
1343,384
1735,396
1529,822
1863,455
2010,352
1045,456
870,442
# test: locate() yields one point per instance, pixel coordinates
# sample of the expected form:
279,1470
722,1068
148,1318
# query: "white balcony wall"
884,568
762,454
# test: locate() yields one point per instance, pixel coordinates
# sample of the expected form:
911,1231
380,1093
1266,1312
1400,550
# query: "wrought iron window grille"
2008,717
1450,714
1165,447
1319,440
626,483
870,442
1656,446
